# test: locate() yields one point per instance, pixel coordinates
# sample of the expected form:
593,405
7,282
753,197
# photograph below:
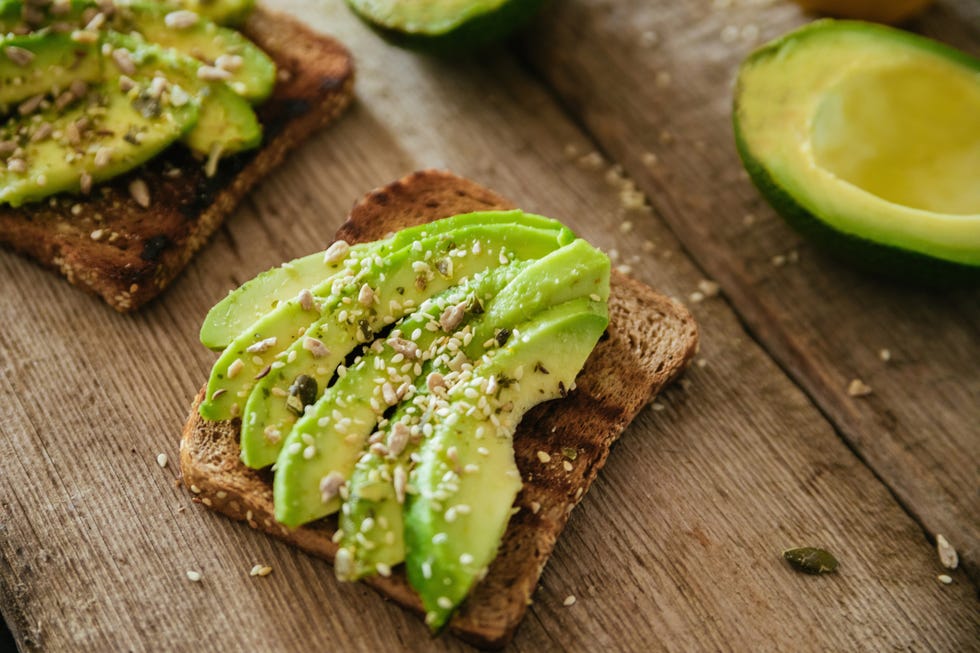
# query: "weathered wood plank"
676,548
653,83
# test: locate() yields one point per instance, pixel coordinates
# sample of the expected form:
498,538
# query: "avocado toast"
133,234
558,446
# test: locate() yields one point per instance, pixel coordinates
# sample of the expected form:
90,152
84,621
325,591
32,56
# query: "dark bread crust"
650,341
151,246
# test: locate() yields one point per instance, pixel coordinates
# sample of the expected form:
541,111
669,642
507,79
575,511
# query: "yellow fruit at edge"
882,11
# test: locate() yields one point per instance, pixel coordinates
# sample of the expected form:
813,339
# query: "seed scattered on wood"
709,288
811,560
569,601
162,459
945,579
194,576
858,388
885,355
947,554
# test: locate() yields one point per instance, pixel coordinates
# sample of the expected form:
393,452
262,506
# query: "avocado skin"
475,34
885,261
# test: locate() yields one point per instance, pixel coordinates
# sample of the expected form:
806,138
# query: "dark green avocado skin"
474,35
885,261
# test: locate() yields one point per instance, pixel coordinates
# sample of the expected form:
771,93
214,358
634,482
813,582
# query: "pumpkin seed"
811,560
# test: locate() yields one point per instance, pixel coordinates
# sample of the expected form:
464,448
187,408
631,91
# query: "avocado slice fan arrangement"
93,90
384,381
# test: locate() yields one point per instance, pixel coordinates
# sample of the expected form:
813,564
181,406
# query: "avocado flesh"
57,62
866,138
398,282
466,481
252,300
223,12
574,271
121,126
331,436
205,41
444,27
226,122
283,325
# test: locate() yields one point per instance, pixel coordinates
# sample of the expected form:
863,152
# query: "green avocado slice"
388,289
331,436
444,26
574,271
253,299
463,488
866,138
226,124
246,69
36,64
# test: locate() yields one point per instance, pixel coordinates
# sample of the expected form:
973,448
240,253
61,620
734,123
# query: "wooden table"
677,547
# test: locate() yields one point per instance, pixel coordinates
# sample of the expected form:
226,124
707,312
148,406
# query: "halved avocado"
867,139
444,26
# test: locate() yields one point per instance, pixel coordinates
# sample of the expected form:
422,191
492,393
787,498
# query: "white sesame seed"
140,192
569,601
213,74
465,559
945,579
235,368
947,554
858,388
544,457
885,355
444,602
194,576
162,459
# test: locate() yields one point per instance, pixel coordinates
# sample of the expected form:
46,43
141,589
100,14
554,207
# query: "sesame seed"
383,569
140,192
544,457
213,74
230,62
858,388
947,554
235,368
569,601
123,61
444,602
195,489
595,297
162,459
330,486
709,288
885,355
567,465
945,579
194,576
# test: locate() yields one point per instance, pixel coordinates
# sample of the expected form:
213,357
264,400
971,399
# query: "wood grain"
653,79
675,548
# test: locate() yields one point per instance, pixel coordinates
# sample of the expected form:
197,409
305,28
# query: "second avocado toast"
556,451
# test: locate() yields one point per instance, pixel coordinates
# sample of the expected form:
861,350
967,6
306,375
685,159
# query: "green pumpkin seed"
811,560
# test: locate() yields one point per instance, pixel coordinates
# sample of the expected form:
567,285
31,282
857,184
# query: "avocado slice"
226,124
866,139
385,291
444,26
576,270
331,436
253,299
464,485
223,12
121,131
245,68
37,64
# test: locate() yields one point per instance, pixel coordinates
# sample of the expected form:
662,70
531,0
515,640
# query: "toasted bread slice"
650,341
109,245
